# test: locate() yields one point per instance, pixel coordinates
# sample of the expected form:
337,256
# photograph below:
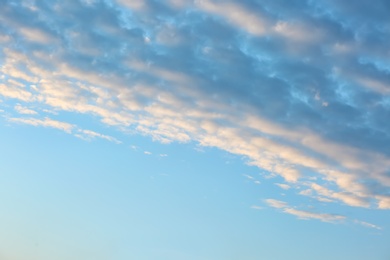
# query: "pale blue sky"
204,129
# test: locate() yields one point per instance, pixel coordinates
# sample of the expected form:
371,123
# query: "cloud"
276,203
13,91
46,122
384,202
303,214
283,186
66,127
236,14
23,110
356,199
298,89
366,224
308,215
248,176
88,134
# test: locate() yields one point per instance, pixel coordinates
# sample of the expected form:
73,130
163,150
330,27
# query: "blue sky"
194,129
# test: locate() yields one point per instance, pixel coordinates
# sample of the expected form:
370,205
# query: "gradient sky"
194,129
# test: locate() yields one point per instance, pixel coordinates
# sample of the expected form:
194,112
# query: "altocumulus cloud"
299,88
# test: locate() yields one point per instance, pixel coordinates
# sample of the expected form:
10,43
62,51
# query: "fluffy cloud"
301,91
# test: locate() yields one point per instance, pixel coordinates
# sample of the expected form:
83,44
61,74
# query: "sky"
194,129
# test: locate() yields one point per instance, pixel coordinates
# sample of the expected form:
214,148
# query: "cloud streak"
303,214
46,122
63,126
307,214
88,134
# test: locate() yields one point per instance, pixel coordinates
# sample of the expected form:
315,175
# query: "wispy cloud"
46,122
276,203
248,176
64,126
88,134
308,214
283,186
366,224
303,214
24,110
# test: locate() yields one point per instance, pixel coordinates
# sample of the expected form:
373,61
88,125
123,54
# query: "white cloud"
303,214
134,4
88,134
349,198
46,122
298,32
11,91
283,186
236,14
35,35
24,110
276,203
383,202
248,176
366,224
307,215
